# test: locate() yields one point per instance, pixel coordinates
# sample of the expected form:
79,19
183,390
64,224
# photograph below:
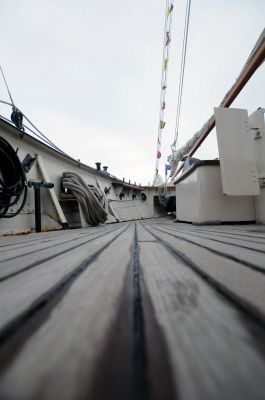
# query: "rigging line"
34,133
51,143
166,55
166,46
162,84
164,76
9,121
182,72
13,104
46,141
183,61
164,50
42,137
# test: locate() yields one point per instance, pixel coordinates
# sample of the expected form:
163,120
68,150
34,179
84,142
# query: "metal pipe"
37,209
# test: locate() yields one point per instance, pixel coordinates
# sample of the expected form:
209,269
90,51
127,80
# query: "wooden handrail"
255,59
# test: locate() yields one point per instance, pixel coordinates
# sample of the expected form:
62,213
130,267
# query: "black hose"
13,181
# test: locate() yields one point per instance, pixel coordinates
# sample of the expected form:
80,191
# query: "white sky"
87,73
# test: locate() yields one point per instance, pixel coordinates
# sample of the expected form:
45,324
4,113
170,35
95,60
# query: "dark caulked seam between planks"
243,238
50,257
220,228
31,237
27,243
19,330
199,235
36,241
47,236
219,253
189,229
140,381
47,247
237,232
135,344
239,303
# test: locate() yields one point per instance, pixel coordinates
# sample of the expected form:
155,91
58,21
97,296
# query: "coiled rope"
13,181
92,200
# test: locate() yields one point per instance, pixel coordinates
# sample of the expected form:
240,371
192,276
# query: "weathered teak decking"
138,310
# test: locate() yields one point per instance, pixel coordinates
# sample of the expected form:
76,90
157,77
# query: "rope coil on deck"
91,199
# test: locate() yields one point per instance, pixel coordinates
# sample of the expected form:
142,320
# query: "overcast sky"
87,73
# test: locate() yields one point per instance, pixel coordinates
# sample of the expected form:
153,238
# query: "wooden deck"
142,310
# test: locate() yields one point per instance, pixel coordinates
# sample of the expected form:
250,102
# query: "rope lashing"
91,199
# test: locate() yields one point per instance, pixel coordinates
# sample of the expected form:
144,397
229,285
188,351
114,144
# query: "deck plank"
245,283
22,260
206,337
81,321
242,240
228,234
227,247
21,250
144,310
35,240
20,291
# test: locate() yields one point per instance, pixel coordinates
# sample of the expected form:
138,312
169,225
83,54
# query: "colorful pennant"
170,9
166,48
162,124
167,168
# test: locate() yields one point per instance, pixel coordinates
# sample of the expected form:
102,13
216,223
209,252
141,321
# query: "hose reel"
13,181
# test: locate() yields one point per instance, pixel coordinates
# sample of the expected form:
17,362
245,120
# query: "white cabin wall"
200,199
257,125
241,142
55,164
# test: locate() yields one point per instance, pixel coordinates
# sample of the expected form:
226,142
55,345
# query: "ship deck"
137,310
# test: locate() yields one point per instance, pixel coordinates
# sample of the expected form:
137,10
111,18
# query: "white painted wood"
257,125
236,152
108,207
126,210
200,199
55,201
55,165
